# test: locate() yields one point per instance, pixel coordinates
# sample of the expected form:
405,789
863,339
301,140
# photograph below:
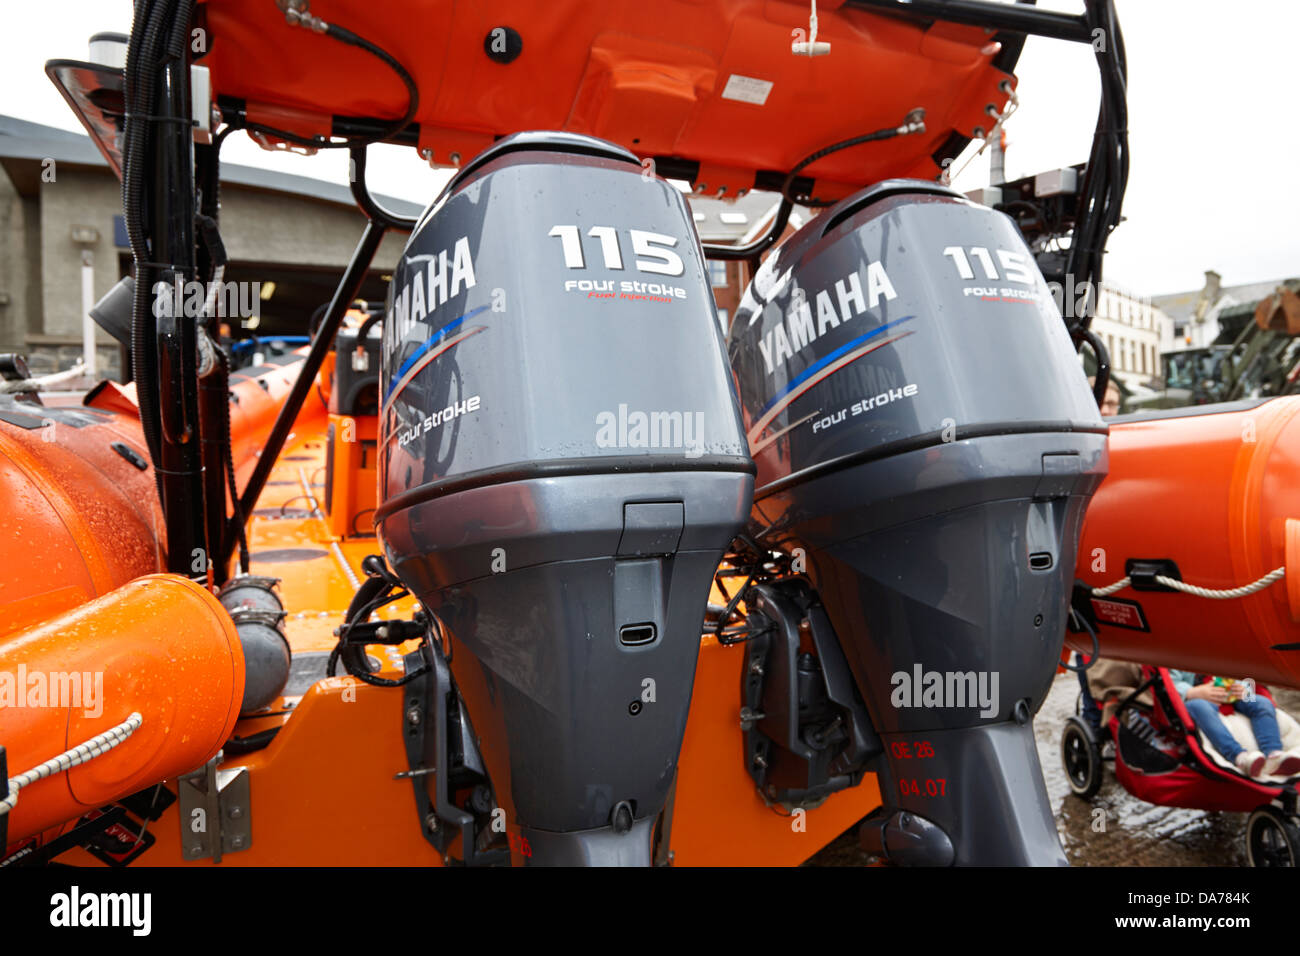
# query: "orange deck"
324,792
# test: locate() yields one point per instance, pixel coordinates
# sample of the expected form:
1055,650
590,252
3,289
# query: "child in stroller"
1204,700
1161,756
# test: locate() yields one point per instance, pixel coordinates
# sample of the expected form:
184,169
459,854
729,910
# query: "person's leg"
1207,720
1263,721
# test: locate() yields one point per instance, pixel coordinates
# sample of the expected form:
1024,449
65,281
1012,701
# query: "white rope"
44,382
92,748
1119,585
1225,594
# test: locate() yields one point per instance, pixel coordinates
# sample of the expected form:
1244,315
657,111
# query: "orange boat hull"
161,646
1218,494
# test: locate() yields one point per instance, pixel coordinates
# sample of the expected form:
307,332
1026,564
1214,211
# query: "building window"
724,319
718,273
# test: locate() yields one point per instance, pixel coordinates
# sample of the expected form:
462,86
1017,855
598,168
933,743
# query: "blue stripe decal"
433,340
827,360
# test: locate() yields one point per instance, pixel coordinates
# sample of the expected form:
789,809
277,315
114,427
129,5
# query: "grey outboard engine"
926,445
563,464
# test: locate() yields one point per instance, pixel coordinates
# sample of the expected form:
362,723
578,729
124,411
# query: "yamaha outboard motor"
563,466
926,445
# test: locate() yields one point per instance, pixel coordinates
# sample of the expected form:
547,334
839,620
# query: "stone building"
59,201
1133,328
1195,313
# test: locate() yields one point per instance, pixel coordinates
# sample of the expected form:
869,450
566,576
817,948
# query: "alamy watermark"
65,690
946,690
637,429
226,300
127,910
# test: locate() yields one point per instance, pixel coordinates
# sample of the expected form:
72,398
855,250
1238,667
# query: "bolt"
237,843
196,850
756,667
759,760
1038,620
413,716
431,823
634,708
236,812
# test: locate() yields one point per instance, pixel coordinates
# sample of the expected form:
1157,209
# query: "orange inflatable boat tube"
1216,491
160,646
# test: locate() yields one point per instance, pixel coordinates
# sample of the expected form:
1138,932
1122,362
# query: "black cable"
322,142
288,501
380,587
1102,380
366,326
877,136
1081,621
353,526
227,439
138,90
317,316
147,49
1106,176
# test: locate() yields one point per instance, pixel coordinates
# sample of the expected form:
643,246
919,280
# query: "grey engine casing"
923,430
562,465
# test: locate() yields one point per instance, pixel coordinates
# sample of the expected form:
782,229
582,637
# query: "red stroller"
1161,757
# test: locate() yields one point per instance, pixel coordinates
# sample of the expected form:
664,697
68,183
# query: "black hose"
878,135
1082,621
323,142
366,326
317,317
139,90
1102,354
226,439
143,58
1106,179
380,587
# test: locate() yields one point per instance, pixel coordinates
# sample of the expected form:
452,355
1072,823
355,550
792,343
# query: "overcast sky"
1214,127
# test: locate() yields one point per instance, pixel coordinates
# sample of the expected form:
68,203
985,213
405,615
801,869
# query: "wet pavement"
1132,832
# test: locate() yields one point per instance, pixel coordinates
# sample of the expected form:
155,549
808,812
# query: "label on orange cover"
1118,612
746,89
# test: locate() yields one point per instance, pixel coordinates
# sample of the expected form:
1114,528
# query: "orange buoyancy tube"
79,505
161,646
1216,490
78,495
256,396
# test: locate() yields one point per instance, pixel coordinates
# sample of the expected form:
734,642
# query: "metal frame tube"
348,287
367,202
180,465
1012,18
